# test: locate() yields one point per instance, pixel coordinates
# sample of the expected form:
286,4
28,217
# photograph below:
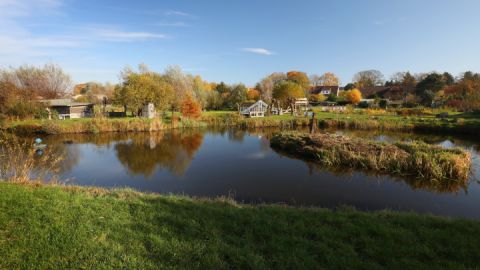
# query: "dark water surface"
241,164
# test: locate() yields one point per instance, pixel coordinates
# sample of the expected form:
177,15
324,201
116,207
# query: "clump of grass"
20,162
418,159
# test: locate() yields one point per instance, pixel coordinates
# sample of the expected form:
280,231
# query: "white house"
254,109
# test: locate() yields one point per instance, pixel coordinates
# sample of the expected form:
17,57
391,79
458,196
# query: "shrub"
191,108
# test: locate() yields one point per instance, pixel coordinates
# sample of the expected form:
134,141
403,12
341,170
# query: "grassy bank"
418,159
99,125
459,124
48,227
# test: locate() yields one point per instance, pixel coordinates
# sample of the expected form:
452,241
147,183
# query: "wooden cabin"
253,109
67,109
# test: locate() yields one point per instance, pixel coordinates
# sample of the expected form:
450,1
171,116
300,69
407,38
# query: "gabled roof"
318,89
247,106
64,103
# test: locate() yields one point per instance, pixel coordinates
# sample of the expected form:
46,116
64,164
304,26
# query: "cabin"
68,109
253,109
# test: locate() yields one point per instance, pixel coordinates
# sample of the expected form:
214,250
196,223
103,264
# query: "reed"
418,159
20,162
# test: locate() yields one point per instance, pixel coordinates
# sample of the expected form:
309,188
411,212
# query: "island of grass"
55,227
416,159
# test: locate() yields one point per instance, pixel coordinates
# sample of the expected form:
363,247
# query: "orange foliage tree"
253,94
191,108
354,96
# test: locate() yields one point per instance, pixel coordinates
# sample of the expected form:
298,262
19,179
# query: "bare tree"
368,78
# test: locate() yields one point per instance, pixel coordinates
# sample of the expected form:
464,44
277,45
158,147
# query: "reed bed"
418,159
20,162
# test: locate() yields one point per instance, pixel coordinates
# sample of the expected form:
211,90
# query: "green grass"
52,227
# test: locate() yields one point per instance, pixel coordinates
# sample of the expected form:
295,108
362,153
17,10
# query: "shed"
66,108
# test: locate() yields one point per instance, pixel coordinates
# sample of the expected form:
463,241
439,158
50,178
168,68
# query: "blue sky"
241,40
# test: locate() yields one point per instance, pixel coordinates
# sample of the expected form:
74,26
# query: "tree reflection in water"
145,153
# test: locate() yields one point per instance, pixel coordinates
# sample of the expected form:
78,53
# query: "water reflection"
219,162
145,153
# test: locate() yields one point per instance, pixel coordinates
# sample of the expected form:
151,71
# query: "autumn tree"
191,108
300,78
181,82
266,85
328,79
139,89
49,81
368,78
253,94
286,92
465,94
353,96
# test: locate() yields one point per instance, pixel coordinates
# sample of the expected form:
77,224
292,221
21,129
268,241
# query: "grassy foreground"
429,162
53,227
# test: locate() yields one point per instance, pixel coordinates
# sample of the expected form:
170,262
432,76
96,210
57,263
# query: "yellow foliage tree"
354,96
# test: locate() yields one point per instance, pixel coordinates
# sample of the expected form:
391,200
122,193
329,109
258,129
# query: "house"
386,92
325,90
253,109
66,108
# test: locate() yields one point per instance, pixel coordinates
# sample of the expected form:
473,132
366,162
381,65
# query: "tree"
253,94
49,81
465,94
266,85
191,108
300,78
328,79
139,89
349,86
286,92
237,95
368,78
317,97
181,82
427,88
353,96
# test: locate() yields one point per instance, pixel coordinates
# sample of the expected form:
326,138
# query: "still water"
241,164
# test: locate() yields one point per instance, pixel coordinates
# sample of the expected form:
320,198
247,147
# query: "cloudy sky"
241,40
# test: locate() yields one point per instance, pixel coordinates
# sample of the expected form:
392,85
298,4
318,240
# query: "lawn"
53,227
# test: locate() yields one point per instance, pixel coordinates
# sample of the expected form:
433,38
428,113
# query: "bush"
363,105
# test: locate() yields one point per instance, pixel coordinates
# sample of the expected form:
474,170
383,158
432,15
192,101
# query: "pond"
240,164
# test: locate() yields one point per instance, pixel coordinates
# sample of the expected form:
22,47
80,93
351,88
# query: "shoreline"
232,119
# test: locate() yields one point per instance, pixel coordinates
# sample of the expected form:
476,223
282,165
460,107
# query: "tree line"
176,90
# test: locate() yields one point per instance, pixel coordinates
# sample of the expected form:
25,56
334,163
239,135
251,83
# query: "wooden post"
313,123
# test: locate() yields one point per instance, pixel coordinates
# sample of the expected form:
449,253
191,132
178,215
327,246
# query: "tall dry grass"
418,159
20,162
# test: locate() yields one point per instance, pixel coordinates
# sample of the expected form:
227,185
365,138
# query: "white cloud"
124,36
177,13
173,24
261,51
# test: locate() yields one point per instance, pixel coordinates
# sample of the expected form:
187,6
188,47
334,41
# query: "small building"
326,90
66,108
301,104
148,111
253,109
